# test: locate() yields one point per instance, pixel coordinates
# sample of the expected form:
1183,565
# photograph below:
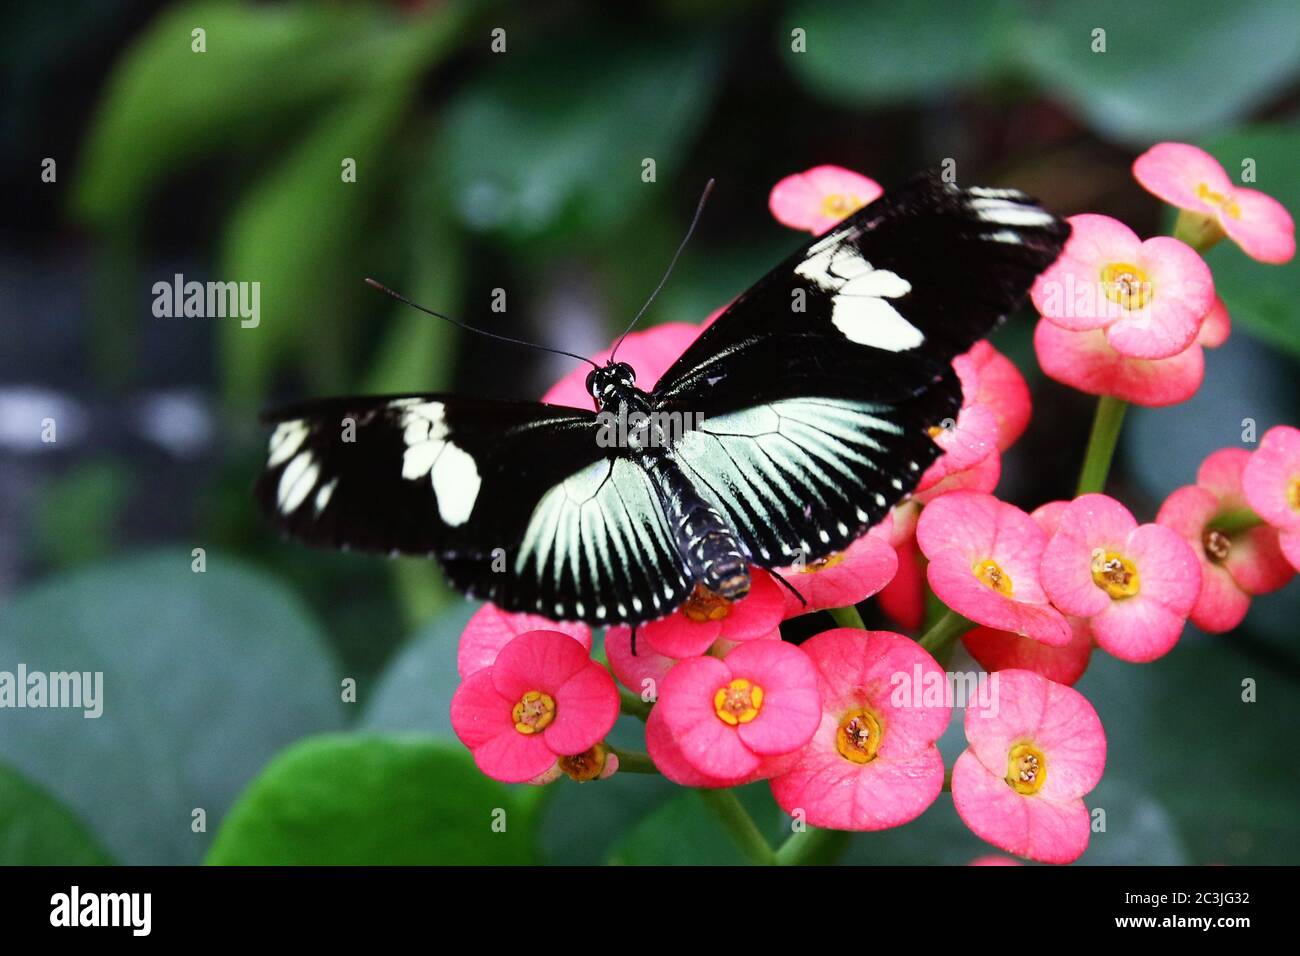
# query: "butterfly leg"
788,586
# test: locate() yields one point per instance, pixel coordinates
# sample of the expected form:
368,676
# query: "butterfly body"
789,427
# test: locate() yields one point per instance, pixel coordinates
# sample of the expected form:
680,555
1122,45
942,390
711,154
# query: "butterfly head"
608,383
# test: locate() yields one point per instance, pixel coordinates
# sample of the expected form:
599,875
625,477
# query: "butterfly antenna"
699,209
469,328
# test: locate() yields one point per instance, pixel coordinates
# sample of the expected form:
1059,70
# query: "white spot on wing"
456,483
285,441
296,482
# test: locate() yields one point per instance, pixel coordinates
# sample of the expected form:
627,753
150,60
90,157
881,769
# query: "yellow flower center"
1114,574
534,712
587,765
839,205
858,736
1221,202
993,577
1217,545
1293,494
705,605
1126,285
738,702
821,564
1026,769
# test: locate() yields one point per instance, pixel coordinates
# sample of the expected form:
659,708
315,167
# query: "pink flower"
873,762
1216,326
1148,297
639,672
1271,482
1034,752
993,859
903,598
542,698
999,650
841,579
1235,564
491,629
1135,585
1192,179
971,438
983,476
726,716
984,557
1002,390
817,199
1086,361
707,617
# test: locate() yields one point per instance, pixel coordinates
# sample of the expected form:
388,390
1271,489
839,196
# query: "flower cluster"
843,727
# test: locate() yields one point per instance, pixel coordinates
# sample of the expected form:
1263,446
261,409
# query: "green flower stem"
1234,521
632,761
812,846
632,705
1198,230
945,631
739,824
1106,425
848,617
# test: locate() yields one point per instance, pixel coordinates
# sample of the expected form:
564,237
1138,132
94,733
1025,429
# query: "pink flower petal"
1182,292
903,598
866,566
836,793
1175,172
999,650
800,201
1271,480
478,712
791,701
1264,229
491,629
634,671
1002,390
705,742
1216,326
1088,524
754,615
586,707
1031,827
1069,292
1086,361
512,757
678,636
667,757
538,660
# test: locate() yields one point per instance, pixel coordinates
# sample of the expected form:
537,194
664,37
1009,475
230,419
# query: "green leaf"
414,692
204,677
683,831
295,233
1263,299
554,136
876,52
37,830
1179,732
1169,70
75,518
167,105
362,800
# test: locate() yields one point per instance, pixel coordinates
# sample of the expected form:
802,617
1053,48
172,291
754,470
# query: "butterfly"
790,426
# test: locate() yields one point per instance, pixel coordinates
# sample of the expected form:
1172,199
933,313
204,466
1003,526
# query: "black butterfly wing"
818,387
516,500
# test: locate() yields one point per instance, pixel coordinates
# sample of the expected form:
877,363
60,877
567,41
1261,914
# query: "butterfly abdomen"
705,541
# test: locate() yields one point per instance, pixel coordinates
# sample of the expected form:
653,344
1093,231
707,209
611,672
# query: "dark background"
522,170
